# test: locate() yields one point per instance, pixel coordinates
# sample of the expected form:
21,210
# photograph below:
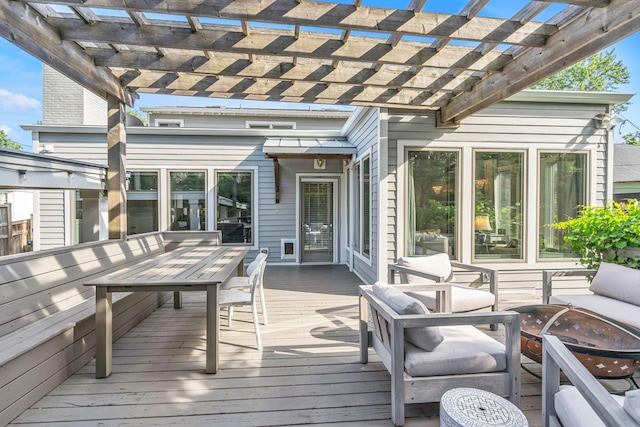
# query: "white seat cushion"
612,308
464,350
463,299
236,282
574,411
233,296
632,404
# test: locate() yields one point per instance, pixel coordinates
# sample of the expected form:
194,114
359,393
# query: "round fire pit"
608,349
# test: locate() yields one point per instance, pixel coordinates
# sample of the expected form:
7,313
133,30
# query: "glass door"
317,221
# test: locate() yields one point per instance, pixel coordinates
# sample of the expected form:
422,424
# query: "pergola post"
117,172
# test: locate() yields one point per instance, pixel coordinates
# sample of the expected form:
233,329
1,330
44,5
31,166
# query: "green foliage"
600,72
5,142
435,216
632,138
602,233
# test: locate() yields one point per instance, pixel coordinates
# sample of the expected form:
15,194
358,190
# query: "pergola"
344,53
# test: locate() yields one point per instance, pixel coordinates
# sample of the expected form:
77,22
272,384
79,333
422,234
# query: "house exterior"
626,172
359,188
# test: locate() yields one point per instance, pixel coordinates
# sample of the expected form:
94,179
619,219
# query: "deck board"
308,372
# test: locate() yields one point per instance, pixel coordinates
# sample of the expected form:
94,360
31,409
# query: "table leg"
104,332
240,272
213,329
177,299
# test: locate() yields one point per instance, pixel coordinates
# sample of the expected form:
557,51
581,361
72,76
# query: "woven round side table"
471,407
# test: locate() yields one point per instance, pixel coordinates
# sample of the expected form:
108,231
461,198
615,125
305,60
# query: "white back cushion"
437,265
426,338
618,282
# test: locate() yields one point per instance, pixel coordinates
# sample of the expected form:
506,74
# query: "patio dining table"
191,268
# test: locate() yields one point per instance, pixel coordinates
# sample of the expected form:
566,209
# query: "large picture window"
498,222
234,206
563,189
432,202
188,207
142,202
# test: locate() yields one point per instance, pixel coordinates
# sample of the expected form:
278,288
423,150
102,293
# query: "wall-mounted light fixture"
437,189
319,164
71,175
607,120
22,175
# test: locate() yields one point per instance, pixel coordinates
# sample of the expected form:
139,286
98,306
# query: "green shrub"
605,234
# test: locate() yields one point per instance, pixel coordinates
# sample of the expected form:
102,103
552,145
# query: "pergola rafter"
311,51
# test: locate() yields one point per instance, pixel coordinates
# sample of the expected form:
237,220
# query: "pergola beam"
314,71
342,17
584,36
275,43
23,26
587,3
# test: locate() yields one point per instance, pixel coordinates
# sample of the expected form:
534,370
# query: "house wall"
51,216
228,121
196,152
363,132
506,126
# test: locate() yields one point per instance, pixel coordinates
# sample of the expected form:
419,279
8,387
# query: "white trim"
68,206
292,257
357,114
383,195
571,97
261,123
311,177
255,202
159,122
163,131
36,220
164,199
211,199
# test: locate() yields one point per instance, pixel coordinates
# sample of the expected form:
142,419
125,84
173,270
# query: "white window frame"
254,245
359,253
158,122
159,191
264,124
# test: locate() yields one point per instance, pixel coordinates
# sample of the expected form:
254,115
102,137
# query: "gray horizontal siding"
505,126
52,219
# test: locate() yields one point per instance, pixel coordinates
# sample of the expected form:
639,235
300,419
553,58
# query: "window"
563,189
356,207
234,206
366,207
432,190
498,222
142,202
169,123
188,206
361,192
271,125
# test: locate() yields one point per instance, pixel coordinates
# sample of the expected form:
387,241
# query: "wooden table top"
196,265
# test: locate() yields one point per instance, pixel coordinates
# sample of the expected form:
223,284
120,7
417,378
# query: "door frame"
335,180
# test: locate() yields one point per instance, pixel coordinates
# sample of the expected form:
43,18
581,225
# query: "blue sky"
21,80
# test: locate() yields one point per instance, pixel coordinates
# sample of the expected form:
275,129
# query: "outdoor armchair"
585,404
438,269
429,354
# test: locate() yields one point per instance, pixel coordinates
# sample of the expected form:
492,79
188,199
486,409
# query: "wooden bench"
47,315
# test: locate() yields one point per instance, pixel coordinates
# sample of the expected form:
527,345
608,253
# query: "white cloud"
10,101
7,130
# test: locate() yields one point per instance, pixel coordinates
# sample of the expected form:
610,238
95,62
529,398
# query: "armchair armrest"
548,275
557,357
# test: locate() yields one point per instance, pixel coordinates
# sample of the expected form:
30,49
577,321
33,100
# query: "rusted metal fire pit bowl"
608,349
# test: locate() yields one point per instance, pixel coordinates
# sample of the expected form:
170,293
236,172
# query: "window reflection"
563,189
498,225
432,208
188,210
142,202
234,206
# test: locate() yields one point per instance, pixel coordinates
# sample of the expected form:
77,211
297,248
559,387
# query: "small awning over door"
305,148
301,148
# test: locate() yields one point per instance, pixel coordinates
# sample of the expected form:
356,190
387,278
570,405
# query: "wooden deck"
308,372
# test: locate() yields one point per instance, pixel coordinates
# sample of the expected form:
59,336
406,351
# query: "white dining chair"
239,297
242,282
